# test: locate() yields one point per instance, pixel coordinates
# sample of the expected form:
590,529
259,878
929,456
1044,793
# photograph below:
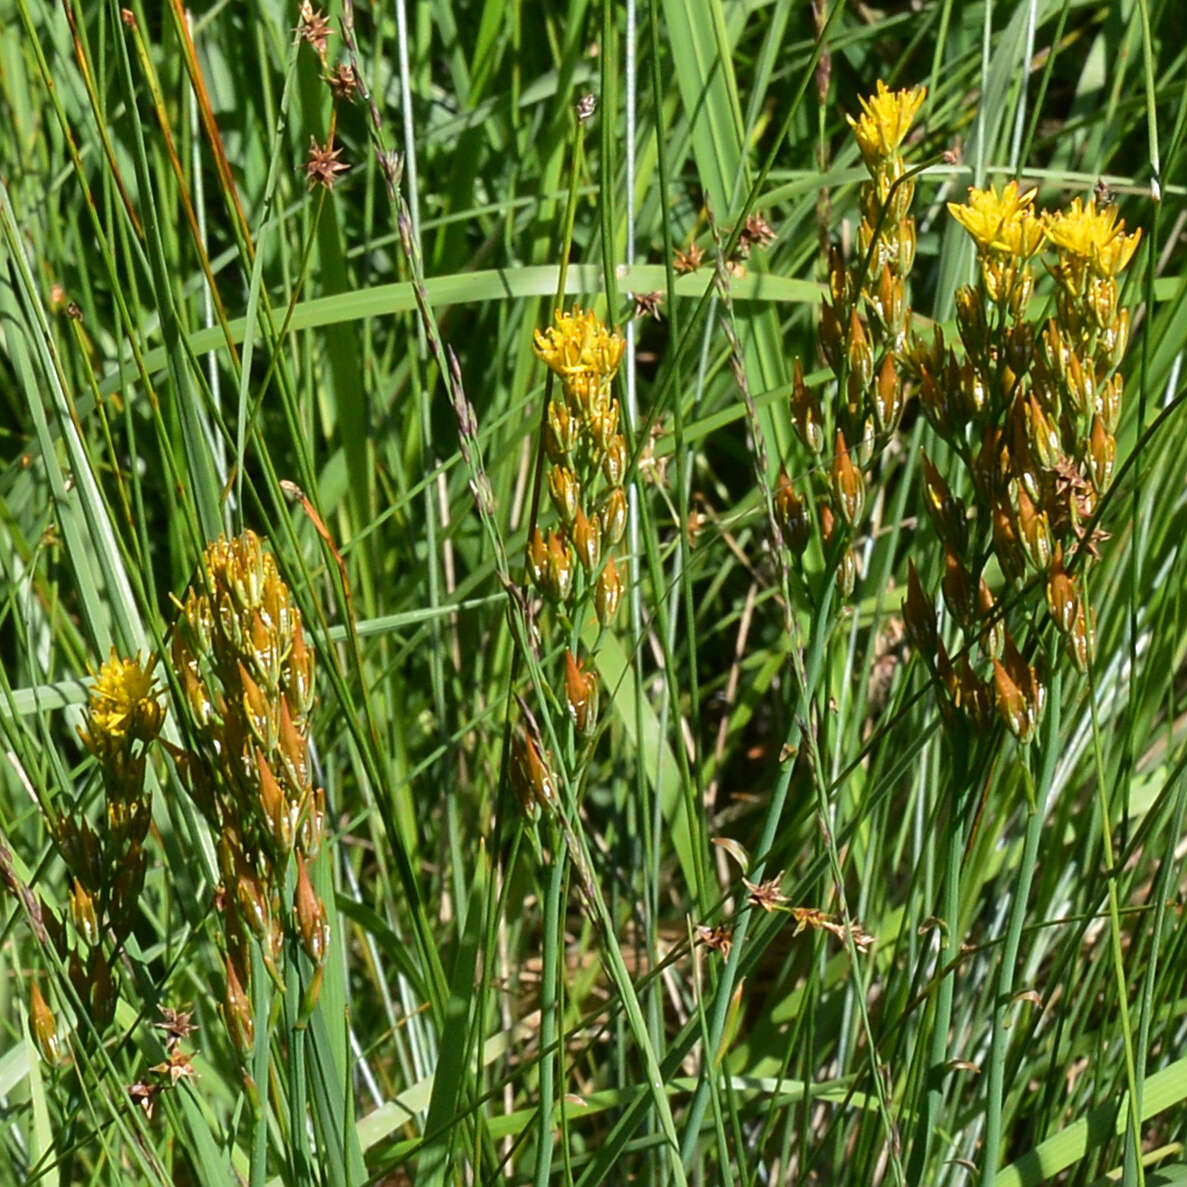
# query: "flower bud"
103,995
529,774
1117,338
847,573
1081,640
565,491
614,462
906,246
970,319
1034,530
251,897
300,671
993,627
581,694
849,488
1043,434
587,539
603,426
972,695
791,514
891,300
1019,694
919,616
82,911
1020,348
562,434
947,512
293,749
888,395
1011,705
44,1026
1102,300
1102,453
310,916
1110,402
126,887
613,516
805,412
865,446
558,581
607,592
830,337
537,559
236,1011
1005,545
957,587
257,709
274,805
861,352
1062,599
80,850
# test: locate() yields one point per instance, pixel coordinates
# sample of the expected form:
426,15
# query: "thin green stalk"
950,949
1007,968
1134,1171
821,627
550,972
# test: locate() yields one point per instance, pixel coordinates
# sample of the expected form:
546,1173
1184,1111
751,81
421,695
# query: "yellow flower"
1093,236
580,344
884,123
1000,222
123,706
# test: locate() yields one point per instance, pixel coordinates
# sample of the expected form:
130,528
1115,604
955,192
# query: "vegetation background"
187,324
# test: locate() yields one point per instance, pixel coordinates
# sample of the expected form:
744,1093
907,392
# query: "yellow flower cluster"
1094,236
585,451
573,564
107,864
886,118
123,706
863,337
240,653
1033,410
1001,223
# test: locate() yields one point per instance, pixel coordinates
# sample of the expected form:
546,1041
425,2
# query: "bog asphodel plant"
241,657
863,337
107,862
1029,413
573,564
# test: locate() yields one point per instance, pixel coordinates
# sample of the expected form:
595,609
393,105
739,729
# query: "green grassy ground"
973,968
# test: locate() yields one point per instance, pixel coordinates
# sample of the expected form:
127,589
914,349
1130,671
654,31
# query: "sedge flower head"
884,122
1000,223
123,705
1092,235
580,344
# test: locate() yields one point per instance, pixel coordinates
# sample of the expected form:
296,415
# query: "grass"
196,343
